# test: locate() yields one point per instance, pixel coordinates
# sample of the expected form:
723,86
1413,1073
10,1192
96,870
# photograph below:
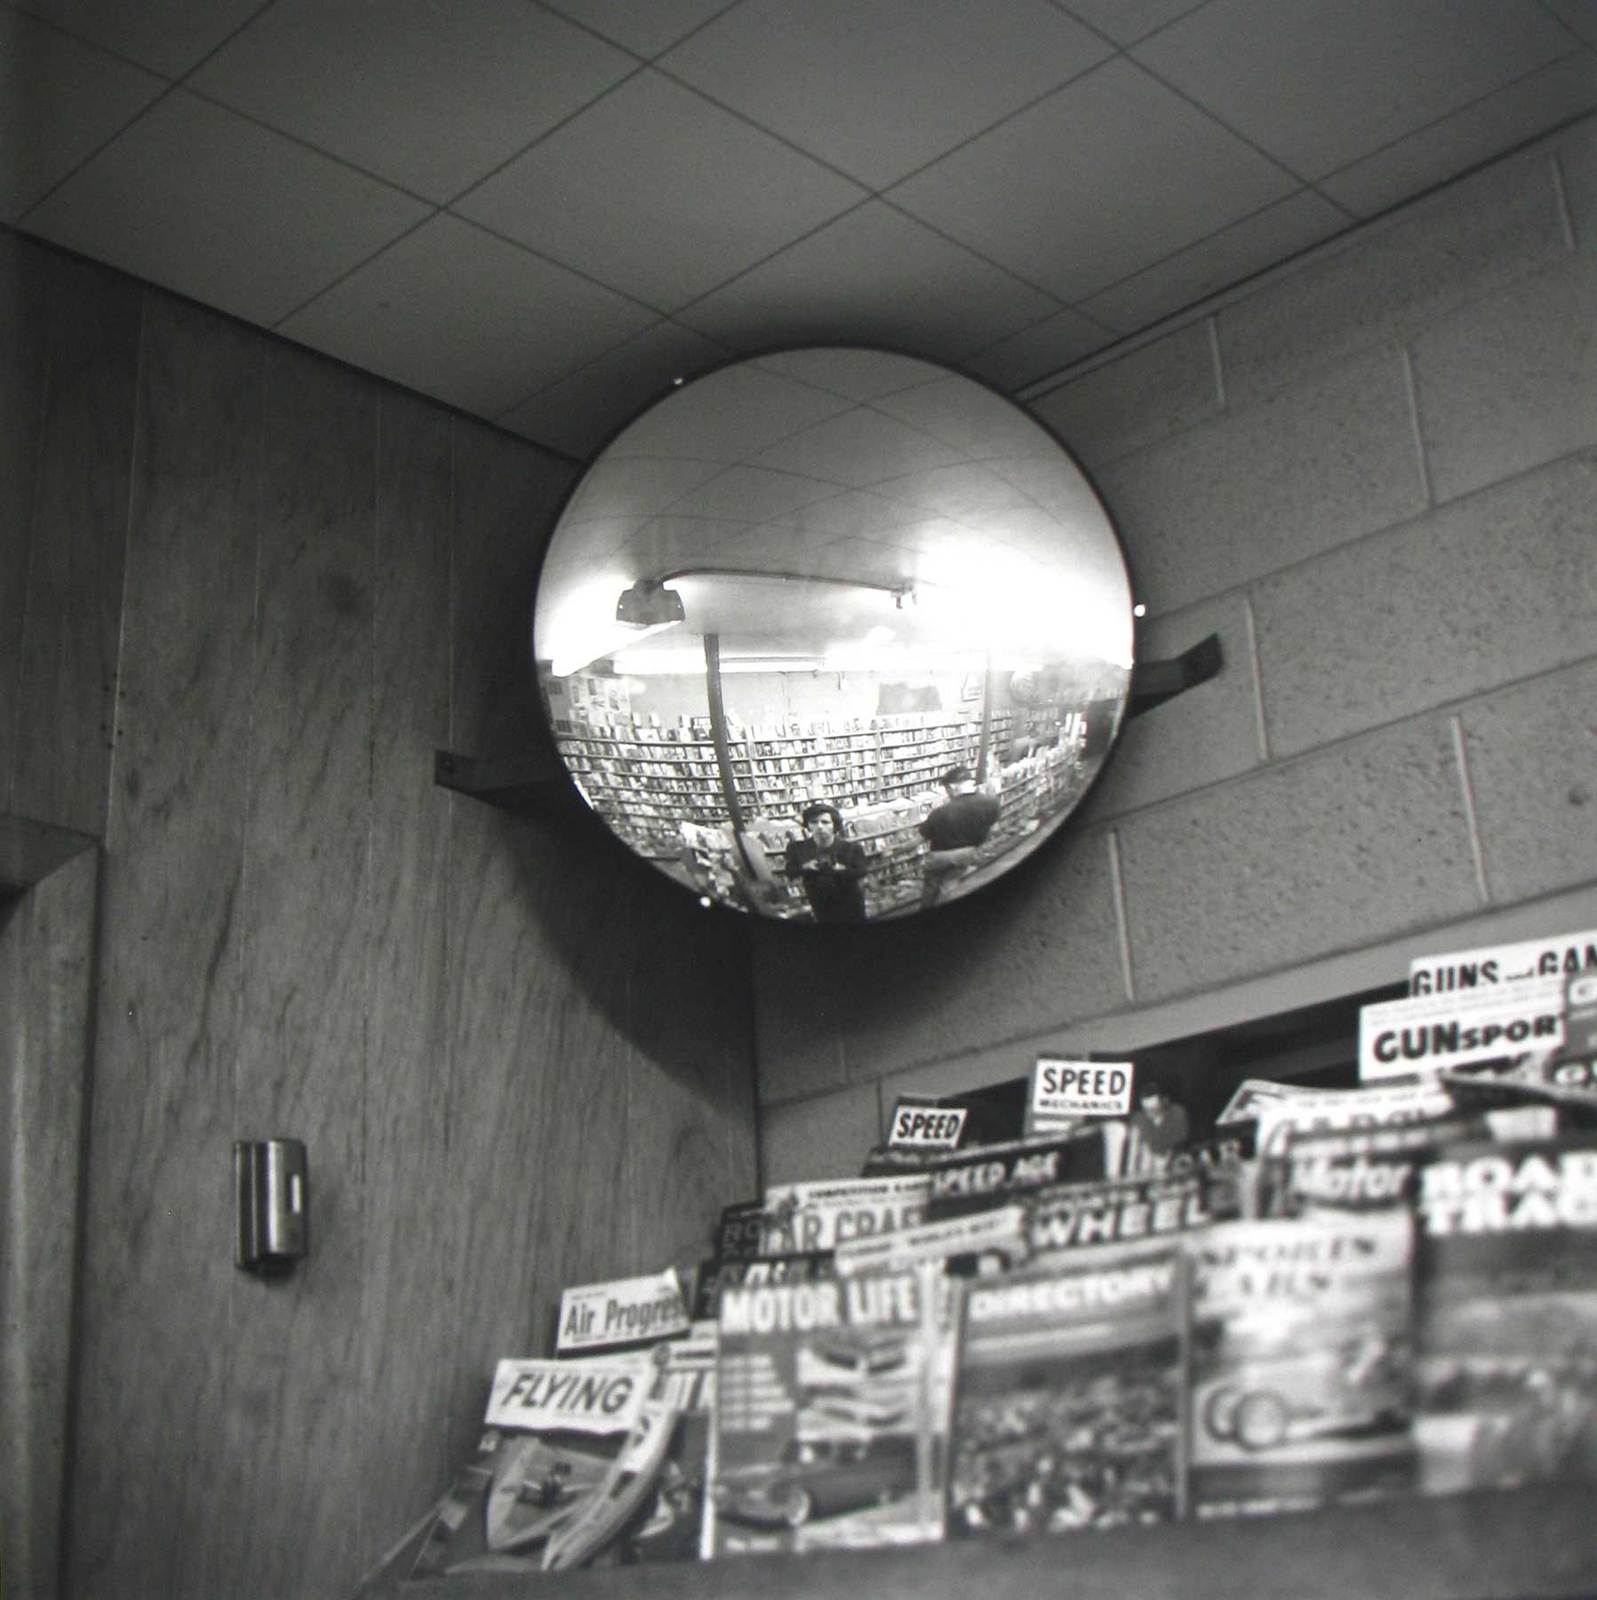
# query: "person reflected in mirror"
830,866
953,831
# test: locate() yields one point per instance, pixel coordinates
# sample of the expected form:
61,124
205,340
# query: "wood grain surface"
406,1317
46,951
155,1332
293,1396
506,1078
72,625
24,366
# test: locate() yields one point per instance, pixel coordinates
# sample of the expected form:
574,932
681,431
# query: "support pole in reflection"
986,718
723,750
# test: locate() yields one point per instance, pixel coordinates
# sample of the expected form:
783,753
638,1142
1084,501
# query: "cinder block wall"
1374,474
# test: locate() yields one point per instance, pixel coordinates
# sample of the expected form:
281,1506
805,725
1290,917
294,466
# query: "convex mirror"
833,635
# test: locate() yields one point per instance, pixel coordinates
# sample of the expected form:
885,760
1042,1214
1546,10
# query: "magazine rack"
1461,1547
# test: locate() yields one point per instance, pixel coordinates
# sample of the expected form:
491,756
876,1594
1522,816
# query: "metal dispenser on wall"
271,1183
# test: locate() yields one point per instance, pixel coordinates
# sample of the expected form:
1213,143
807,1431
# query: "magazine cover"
554,1429
1070,1399
1331,1110
960,1181
1507,1313
625,1313
1366,1168
976,1244
650,1505
713,1276
1301,1362
1090,1151
1124,1210
831,1413
801,1217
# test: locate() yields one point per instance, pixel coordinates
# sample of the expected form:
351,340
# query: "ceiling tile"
1043,348
196,199
745,411
1126,21
1480,131
645,26
580,412
851,514
878,88
750,494
872,277
429,97
1319,83
1581,15
637,487
458,314
1227,257
170,37
659,193
860,448
1097,181
59,101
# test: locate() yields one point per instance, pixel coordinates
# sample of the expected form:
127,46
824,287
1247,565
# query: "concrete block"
1474,236
1322,854
1248,493
1203,735
1510,381
1532,757
1037,948
799,1007
1135,400
1575,151
1492,588
822,1138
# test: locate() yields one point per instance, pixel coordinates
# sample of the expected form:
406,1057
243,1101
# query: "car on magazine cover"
851,1358
819,1478
1351,1387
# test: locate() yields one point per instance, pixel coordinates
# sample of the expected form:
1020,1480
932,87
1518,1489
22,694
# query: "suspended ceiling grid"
543,214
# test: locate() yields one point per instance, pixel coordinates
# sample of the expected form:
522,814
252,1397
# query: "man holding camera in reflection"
953,830
831,868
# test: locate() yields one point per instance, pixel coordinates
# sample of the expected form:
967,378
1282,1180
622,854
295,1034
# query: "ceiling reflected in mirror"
833,635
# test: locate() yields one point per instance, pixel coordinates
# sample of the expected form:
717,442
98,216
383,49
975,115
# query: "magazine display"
1368,1168
626,1313
652,1506
1301,1362
979,1176
801,1217
1126,1211
1070,1398
1507,1330
554,1430
969,1245
831,1414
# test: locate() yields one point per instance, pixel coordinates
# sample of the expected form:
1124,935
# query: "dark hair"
956,775
822,808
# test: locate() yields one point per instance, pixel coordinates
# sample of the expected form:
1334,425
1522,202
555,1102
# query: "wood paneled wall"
517,1060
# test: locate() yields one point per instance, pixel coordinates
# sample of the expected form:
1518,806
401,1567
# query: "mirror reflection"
833,635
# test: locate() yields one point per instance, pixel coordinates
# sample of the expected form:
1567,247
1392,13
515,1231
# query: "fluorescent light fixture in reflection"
582,629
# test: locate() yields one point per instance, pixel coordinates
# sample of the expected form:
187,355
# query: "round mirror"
833,635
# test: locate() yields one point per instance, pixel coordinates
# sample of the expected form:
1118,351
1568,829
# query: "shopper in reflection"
830,867
954,830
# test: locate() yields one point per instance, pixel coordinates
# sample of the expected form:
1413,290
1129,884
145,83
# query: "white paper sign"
602,1396
1429,1032
1501,963
1061,1087
595,1315
919,1126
